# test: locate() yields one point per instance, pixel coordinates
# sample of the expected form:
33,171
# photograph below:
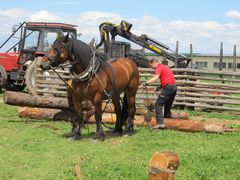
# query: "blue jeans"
165,98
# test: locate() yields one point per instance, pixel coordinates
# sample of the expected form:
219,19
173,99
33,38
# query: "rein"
65,82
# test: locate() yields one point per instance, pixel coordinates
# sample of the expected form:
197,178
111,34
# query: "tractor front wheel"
3,77
30,76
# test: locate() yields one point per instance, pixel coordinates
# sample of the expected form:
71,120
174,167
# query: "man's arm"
153,79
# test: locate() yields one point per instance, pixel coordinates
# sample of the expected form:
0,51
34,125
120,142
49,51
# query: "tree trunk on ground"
23,99
50,114
175,124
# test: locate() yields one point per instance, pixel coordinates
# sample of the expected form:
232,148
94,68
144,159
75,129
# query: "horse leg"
129,130
124,112
75,132
76,120
117,109
98,118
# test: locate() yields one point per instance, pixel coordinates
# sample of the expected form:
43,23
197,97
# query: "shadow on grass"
90,135
88,129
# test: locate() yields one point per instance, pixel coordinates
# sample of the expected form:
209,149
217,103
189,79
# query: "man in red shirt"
168,91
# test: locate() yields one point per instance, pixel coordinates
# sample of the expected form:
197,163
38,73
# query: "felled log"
163,166
39,113
58,114
49,114
29,100
175,124
24,99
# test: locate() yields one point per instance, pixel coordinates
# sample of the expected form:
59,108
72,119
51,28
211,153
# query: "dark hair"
153,60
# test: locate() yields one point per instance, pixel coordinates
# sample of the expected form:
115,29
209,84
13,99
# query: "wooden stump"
163,165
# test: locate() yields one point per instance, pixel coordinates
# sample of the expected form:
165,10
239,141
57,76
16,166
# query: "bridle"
53,59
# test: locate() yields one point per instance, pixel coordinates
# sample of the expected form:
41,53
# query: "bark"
24,99
49,114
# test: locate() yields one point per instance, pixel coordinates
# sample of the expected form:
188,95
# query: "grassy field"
38,150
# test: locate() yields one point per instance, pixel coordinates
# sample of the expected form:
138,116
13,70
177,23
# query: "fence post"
221,58
234,58
191,56
176,55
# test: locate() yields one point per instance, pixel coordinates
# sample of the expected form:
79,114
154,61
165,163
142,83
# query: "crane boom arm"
123,30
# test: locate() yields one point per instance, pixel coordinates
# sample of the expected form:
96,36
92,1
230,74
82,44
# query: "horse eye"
55,48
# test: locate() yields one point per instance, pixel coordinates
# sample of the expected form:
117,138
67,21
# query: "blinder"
58,49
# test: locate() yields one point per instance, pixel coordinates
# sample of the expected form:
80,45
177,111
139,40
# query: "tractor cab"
34,39
39,36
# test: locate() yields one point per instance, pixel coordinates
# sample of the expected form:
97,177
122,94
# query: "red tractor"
16,64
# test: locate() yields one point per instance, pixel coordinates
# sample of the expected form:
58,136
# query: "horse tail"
124,111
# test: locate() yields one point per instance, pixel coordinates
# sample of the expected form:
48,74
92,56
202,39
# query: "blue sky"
204,23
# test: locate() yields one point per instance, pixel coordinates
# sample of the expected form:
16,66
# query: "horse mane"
81,51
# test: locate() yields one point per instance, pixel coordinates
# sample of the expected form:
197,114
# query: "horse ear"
65,39
58,35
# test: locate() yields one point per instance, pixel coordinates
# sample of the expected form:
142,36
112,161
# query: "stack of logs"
53,108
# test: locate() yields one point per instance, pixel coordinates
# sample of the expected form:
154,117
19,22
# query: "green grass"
219,115
38,150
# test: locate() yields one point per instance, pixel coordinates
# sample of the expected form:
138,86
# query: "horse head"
57,54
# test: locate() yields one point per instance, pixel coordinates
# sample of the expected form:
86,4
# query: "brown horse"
96,80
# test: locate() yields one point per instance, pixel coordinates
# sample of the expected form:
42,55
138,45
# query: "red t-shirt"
166,75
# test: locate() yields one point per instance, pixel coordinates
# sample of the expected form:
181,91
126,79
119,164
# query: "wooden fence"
197,89
204,90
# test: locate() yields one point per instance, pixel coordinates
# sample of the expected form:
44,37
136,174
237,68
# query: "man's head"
153,63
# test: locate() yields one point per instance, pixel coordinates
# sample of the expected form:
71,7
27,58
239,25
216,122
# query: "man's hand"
144,84
158,88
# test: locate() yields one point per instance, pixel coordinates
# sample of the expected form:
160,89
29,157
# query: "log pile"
39,107
110,118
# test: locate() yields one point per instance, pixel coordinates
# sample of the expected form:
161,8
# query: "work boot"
158,126
168,116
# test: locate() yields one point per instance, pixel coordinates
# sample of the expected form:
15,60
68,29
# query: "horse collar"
88,72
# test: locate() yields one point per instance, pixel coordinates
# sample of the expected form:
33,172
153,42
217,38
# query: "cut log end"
163,165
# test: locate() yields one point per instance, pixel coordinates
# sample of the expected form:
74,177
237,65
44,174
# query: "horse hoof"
72,136
99,136
117,132
128,133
